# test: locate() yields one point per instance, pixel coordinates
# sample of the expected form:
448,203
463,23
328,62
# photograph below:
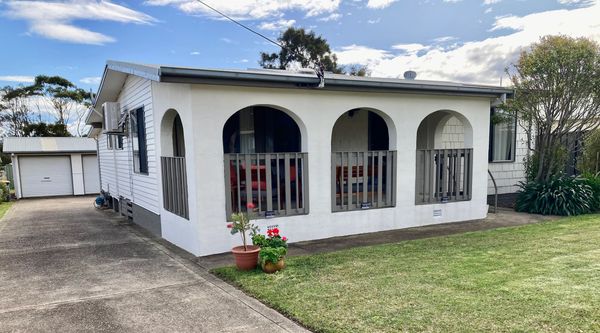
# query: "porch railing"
276,183
363,180
444,175
174,184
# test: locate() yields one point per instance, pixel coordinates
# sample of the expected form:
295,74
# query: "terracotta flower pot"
246,260
270,267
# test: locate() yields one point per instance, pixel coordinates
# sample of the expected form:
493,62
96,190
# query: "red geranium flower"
250,205
270,233
229,225
275,231
284,239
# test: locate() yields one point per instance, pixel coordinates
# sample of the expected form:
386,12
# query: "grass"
540,277
4,206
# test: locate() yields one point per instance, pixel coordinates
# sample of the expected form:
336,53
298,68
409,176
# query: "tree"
557,92
46,130
14,109
301,48
62,95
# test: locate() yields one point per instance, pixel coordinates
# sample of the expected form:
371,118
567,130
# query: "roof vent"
410,75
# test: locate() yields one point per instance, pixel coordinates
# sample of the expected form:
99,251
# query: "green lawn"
541,277
4,206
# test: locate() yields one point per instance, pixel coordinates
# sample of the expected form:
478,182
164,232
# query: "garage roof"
48,145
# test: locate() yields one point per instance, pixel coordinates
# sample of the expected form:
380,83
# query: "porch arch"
264,161
364,160
444,158
173,164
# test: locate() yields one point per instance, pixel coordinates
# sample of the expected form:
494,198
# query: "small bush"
4,193
589,162
593,181
561,195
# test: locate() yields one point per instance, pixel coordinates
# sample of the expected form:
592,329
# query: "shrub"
561,195
4,192
593,181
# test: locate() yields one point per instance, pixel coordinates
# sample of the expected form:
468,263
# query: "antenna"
320,69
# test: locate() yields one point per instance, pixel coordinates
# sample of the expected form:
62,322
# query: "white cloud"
357,54
444,39
194,53
410,48
17,78
490,2
252,9
91,80
488,10
374,21
54,19
331,17
276,25
452,1
379,4
480,61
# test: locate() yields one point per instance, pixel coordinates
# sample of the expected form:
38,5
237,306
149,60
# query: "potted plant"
246,256
273,250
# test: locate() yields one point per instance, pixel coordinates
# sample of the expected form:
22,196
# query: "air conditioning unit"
112,115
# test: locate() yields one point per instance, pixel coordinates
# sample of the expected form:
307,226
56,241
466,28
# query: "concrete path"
67,267
503,218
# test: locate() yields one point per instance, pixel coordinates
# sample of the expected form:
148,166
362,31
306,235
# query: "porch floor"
504,218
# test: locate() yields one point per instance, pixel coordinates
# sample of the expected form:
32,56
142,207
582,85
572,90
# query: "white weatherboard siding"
204,109
507,174
45,176
116,166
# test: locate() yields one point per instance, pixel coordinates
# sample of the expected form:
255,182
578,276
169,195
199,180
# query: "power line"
240,24
319,68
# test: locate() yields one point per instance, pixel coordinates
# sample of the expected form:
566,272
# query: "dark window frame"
138,132
493,110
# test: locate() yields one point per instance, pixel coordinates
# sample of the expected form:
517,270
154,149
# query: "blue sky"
458,40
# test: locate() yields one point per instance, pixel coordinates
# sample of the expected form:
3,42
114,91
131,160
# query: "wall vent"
437,213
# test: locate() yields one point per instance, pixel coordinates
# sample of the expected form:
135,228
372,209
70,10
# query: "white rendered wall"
351,132
204,110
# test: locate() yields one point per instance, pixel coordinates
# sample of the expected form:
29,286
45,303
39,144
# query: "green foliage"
593,181
242,224
302,47
556,158
556,84
590,159
560,195
4,192
271,254
46,130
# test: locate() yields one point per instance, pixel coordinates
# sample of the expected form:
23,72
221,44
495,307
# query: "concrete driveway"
67,267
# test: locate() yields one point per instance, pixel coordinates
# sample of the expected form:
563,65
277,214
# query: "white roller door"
91,175
45,176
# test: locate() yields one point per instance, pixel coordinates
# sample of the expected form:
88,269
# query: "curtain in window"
503,141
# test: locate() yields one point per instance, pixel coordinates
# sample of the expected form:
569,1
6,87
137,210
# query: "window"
503,129
138,141
115,142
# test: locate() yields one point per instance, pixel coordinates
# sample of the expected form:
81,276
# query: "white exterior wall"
351,133
204,110
77,170
508,174
116,166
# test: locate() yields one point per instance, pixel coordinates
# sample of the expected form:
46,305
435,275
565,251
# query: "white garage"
53,166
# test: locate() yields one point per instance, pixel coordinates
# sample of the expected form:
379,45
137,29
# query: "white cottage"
186,147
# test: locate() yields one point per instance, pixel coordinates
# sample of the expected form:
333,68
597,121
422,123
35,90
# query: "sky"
454,40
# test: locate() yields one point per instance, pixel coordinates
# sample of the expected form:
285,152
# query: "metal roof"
48,145
116,72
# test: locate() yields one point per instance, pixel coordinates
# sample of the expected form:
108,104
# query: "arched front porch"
444,168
